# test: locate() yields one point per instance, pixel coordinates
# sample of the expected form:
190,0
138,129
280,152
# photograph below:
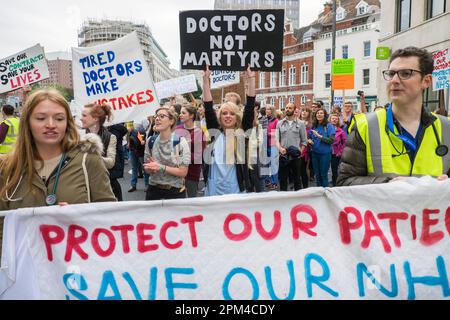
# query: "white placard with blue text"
220,79
115,73
180,85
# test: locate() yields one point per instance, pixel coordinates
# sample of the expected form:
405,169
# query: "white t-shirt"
164,152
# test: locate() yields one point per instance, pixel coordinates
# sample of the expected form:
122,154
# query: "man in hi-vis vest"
9,129
405,139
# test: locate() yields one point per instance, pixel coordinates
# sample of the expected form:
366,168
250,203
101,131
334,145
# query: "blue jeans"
135,163
126,152
273,165
321,166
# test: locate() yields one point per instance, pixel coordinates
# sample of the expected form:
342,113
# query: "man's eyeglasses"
161,116
403,74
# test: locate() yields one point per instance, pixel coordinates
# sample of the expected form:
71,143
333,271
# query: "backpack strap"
151,142
176,144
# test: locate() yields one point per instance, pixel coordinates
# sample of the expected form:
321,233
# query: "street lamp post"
333,51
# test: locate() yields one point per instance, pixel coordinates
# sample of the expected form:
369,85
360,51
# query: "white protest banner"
333,243
115,73
23,68
221,79
168,88
441,70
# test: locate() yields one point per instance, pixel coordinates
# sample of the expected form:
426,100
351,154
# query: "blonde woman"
225,169
49,164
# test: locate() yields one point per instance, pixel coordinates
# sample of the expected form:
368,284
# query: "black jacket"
353,166
213,123
119,131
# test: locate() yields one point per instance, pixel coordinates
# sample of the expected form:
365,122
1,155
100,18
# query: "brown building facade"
294,84
60,69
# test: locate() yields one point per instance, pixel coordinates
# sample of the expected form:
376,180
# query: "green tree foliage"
66,92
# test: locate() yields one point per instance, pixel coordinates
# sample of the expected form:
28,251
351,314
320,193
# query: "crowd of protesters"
234,146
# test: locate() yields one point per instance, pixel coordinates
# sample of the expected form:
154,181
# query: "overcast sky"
54,24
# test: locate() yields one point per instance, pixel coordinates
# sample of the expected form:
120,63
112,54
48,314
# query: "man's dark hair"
320,103
425,58
8,109
262,111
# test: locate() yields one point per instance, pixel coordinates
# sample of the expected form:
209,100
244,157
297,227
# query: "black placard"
232,39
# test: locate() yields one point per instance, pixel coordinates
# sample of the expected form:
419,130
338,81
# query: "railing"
352,29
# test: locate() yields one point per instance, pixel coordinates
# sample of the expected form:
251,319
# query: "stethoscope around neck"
51,199
441,150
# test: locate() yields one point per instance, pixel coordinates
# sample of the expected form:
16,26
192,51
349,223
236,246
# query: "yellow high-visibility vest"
11,136
386,154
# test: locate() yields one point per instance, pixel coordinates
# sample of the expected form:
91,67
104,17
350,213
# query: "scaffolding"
94,32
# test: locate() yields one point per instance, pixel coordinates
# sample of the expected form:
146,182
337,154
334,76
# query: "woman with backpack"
167,158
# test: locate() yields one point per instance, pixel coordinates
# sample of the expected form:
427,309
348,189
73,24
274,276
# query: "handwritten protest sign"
115,73
221,79
338,101
23,68
168,88
231,40
333,243
441,70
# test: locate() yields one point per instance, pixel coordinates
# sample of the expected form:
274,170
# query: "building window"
292,99
262,79
435,7
366,77
292,74
327,80
403,14
431,99
303,100
340,14
366,48
272,101
362,10
327,55
282,78
304,79
344,52
273,79
282,103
